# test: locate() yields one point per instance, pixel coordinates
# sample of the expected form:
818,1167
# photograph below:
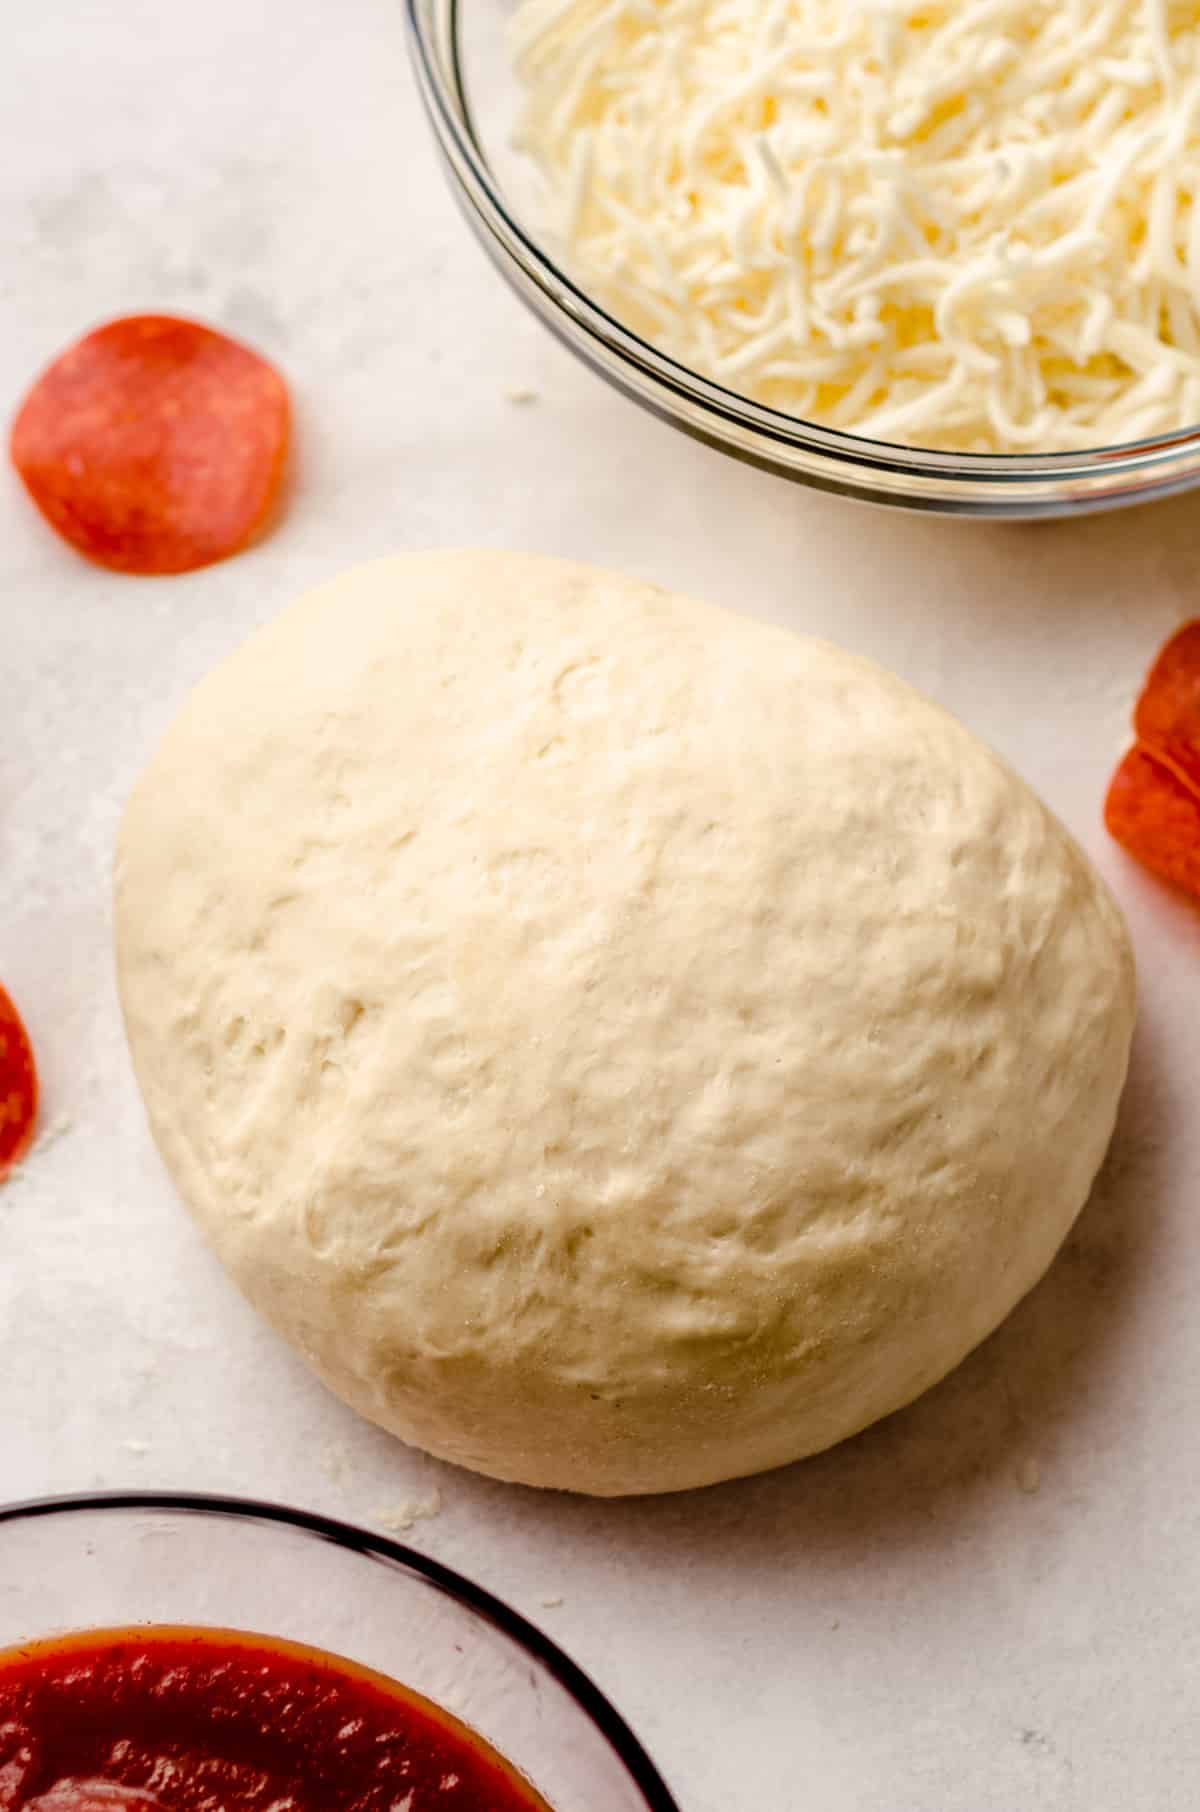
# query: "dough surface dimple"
622,1045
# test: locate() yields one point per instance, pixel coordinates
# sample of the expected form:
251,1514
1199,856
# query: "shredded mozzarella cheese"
967,224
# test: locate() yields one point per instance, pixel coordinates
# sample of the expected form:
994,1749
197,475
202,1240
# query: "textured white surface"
984,1605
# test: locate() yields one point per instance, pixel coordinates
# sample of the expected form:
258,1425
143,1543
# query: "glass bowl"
128,1558
470,95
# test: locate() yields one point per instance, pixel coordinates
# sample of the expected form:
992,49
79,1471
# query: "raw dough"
622,1045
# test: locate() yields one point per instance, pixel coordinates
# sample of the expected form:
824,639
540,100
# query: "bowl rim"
594,1703
875,470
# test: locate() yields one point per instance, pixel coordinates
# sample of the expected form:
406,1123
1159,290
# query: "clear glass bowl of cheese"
463,58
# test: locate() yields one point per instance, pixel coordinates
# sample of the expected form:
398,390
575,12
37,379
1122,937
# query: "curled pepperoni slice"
18,1086
154,445
1153,803
1167,719
1153,815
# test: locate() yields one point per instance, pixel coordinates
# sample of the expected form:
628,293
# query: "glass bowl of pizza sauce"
191,1654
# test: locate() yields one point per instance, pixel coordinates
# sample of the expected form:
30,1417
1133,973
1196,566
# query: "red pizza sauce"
193,1720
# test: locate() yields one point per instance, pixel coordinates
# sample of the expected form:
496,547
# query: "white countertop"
987,1604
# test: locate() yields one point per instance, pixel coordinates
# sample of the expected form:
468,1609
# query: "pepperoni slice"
154,445
1167,719
1153,815
18,1086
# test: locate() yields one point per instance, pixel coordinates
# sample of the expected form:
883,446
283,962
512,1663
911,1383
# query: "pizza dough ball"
622,1045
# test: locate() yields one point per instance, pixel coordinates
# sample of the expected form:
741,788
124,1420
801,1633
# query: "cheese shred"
965,224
